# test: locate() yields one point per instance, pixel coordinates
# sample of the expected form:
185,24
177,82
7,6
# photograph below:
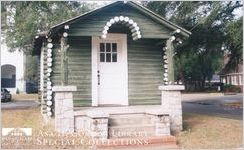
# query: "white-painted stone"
49,59
121,18
112,21
66,27
105,31
49,70
49,51
49,97
49,55
139,36
49,64
104,36
126,19
116,19
65,34
48,108
131,21
49,114
49,45
49,87
106,27
49,83
49,103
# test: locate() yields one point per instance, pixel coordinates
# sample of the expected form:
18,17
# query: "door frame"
94,63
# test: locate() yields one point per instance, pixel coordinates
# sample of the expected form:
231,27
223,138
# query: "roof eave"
72,20
150,13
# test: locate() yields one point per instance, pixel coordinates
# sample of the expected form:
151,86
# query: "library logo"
17,132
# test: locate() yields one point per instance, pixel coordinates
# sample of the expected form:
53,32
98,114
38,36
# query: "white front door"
111,70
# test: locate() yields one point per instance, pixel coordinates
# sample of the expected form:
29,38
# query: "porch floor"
112,110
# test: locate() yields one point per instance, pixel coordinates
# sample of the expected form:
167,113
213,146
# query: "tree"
31,73
23,19
234,44
201,55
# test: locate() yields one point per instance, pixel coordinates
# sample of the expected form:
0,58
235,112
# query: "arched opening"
131,24
8,76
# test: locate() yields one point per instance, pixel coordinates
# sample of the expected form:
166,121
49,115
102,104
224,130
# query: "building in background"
12,69
231,76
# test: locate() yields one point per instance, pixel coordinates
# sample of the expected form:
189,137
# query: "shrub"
232,88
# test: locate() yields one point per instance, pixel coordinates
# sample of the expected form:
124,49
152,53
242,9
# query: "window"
8,76
108,52
240,79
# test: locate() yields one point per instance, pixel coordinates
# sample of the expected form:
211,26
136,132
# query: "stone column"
171,103
98,124
64,112
161,120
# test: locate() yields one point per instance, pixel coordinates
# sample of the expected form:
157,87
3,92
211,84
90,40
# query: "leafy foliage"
212,25
31,68
23,19
234,44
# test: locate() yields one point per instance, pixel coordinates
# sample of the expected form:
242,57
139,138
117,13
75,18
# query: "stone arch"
134,28
8,76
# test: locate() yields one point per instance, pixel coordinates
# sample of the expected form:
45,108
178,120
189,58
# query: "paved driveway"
212,104
19,104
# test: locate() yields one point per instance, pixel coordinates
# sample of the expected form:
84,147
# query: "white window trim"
94,62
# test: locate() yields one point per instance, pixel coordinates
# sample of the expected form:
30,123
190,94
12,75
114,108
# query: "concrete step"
155,143
129,119
138,130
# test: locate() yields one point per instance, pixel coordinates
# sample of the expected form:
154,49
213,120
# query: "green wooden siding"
79,61
93,25
145,72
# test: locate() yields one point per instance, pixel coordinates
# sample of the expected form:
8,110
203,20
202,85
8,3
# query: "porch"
115,110
122,121
105,122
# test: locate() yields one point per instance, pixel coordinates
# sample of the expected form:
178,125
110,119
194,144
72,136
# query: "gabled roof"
135,5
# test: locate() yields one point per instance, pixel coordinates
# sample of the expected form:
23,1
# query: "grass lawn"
203,132
199,131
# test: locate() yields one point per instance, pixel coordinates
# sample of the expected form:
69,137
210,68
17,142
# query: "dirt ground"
26,97
199,131
43,135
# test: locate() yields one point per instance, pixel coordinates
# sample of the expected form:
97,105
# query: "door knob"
98,77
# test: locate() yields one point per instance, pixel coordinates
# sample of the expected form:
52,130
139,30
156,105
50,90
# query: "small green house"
117,55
